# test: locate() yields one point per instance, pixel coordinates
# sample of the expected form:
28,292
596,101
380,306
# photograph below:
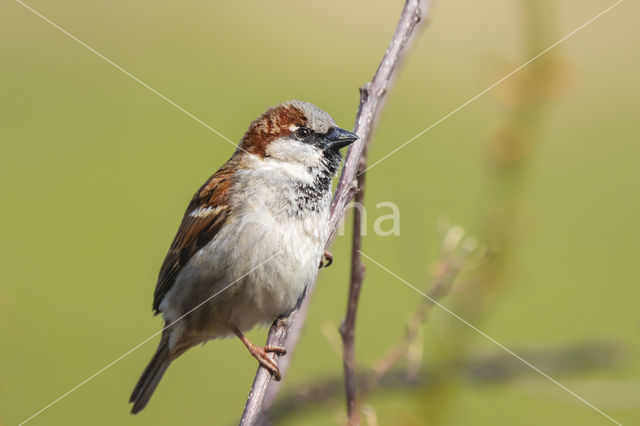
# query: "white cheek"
293,151
270,173
296,171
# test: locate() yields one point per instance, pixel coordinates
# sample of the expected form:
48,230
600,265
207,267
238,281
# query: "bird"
251,240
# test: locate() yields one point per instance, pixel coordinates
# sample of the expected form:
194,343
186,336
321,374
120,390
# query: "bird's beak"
337,138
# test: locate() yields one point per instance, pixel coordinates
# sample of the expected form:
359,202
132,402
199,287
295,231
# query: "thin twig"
371,102
348,327
454,252
417,319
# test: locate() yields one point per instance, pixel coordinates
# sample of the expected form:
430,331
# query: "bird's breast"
260,262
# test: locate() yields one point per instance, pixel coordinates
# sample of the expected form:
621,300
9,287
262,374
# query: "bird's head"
297,132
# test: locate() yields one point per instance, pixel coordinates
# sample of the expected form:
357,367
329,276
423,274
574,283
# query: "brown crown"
271,125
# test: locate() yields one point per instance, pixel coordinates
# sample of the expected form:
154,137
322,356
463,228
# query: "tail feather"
151,376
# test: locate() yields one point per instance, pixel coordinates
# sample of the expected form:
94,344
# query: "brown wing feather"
212,204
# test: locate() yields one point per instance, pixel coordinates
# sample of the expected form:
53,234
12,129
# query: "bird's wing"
207,212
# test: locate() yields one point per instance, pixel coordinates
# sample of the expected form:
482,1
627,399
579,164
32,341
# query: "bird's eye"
303,133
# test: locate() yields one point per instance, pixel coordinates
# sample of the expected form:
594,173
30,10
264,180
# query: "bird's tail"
151,375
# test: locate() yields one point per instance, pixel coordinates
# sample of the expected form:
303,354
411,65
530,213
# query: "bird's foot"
262,355
275,349
328,257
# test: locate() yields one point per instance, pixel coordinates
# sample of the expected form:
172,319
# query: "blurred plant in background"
523,99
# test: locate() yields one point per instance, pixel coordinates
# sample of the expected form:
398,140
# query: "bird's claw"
328,257
261,354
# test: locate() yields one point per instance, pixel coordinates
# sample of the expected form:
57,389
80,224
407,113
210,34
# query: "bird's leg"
260,353
328,257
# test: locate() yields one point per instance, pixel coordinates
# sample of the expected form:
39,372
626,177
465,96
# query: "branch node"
417,16
342,329
364,92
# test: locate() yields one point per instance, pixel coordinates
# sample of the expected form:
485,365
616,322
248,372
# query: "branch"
567,361
348,327
371,102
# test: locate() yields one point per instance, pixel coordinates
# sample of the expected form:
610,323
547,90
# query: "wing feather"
207,212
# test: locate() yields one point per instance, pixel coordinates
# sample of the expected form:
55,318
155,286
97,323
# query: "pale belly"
250,274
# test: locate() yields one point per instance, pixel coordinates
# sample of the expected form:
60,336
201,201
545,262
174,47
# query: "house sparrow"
253,236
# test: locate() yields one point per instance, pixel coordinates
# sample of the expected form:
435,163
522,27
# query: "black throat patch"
312,197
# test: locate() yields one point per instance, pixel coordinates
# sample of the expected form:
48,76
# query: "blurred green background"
96,172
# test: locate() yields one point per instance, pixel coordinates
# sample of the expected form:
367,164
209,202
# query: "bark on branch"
286,332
